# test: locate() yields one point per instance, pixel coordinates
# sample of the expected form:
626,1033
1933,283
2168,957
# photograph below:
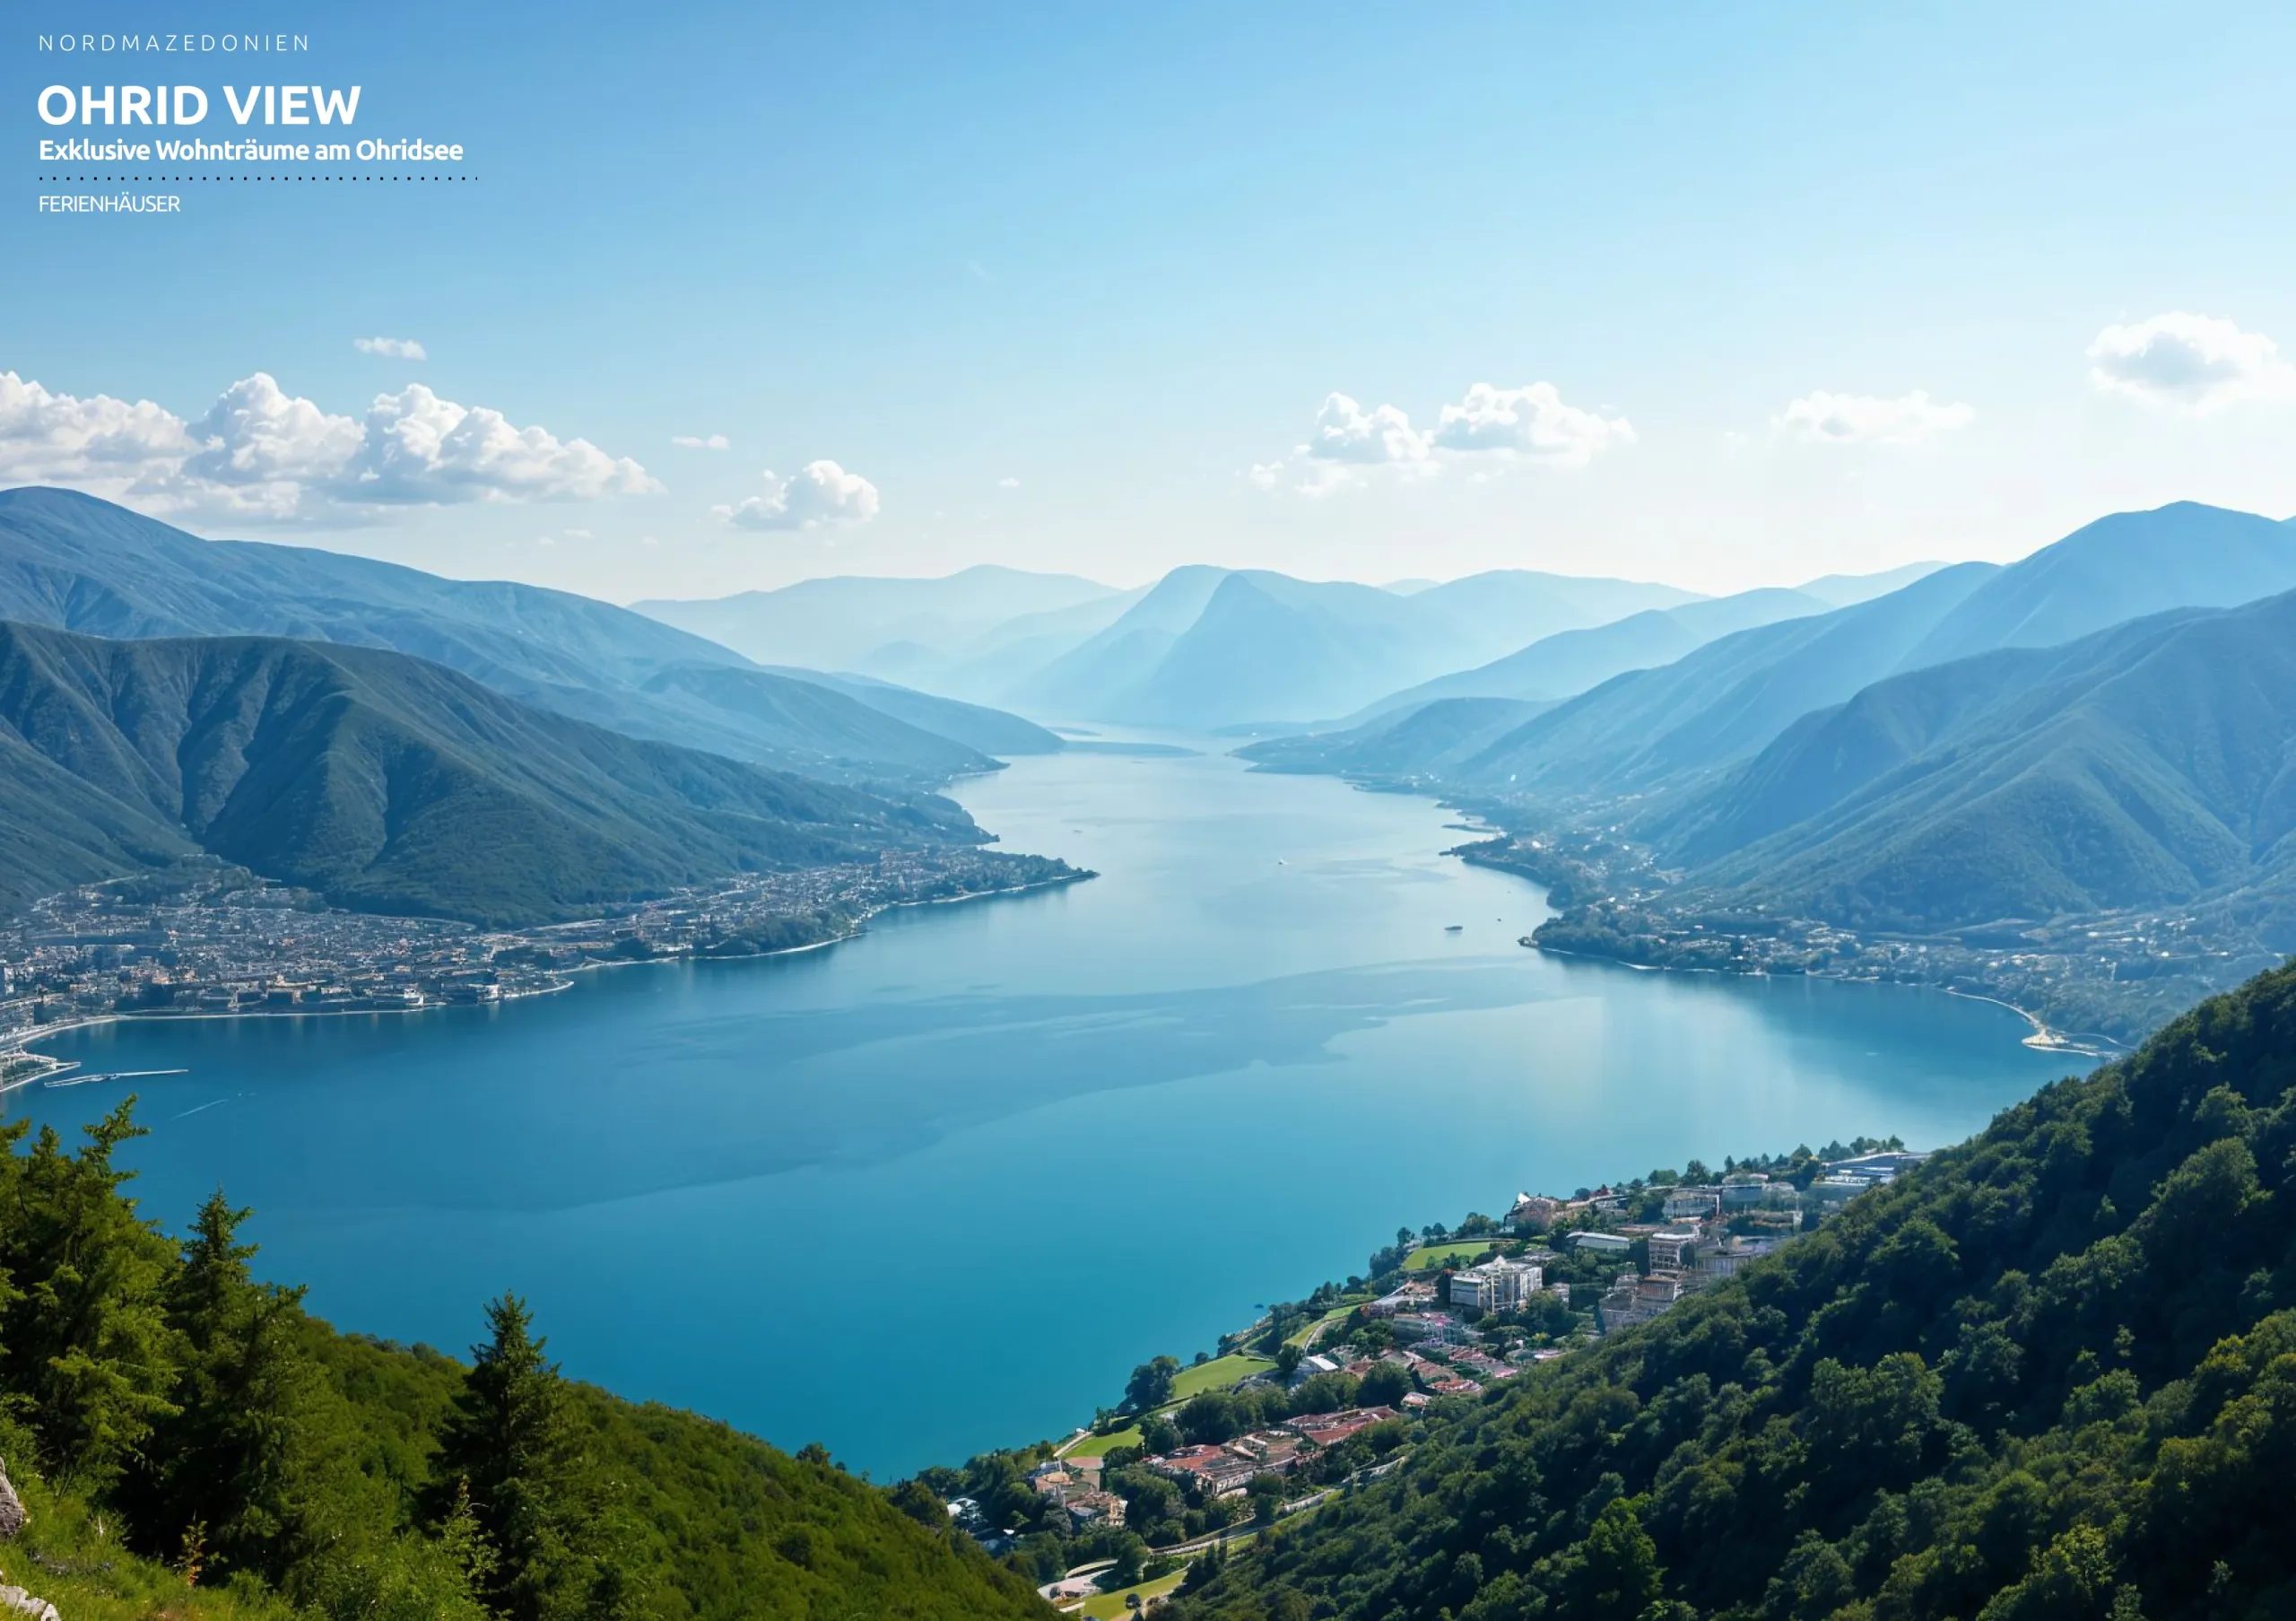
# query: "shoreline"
2040,1038
56,1067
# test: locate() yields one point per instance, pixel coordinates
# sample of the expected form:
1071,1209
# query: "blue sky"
1055,280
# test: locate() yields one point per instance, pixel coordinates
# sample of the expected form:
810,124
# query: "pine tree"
512,1447
89,1342
244,1454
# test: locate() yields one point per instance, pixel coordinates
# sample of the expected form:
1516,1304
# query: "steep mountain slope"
2149,764
2116,569
1724,701
384,782
1571,661
1268,647
78,563
318,1475
1086,680
2050,1375
843,622
1429,740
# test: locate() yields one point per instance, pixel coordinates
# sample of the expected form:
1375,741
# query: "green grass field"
1104,1606
1307,1331
1436,1255
1217,1374
1099,1446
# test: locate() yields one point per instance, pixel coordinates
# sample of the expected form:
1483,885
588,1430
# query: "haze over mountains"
1203,648
1953,743
78,563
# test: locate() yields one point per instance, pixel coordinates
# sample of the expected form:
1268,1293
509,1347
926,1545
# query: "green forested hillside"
189,1444
2049,1376
77,563
2151,764
384,782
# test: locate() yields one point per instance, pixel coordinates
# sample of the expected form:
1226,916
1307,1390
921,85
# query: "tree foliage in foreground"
191,1443
2050,1376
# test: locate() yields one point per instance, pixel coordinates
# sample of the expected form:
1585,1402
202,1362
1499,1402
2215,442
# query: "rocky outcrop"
11,1510
17,1601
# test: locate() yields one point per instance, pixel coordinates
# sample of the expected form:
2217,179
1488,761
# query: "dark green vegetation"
2124,802
2145,765
383,782
78,563
2051,1374
190,1442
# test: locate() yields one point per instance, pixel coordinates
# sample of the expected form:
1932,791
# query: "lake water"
938,1188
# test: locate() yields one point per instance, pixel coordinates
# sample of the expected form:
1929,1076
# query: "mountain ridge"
384,782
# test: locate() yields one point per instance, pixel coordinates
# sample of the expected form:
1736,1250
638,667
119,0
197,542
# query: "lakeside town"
2091,986
1319,1395
209,939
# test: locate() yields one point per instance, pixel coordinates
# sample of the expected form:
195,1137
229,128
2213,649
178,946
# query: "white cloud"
1531,421
2196,363
390,348
1491,426
1346,433
1008,482
819,495
261,452
1865,419
258,433
422,449
701,441
55,438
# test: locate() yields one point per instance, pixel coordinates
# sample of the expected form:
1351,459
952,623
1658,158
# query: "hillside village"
1320,1394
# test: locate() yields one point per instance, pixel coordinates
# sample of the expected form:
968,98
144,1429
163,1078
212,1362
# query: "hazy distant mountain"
1724,701
1502,609
1570,661
79,563
384,782
1720,702
1664,728
2145,765
1206,648
1429,740
887,627
1083,681
1842,590
2116,568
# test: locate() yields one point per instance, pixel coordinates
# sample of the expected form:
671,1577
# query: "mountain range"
2147,765
1192,651
864,623
1664,728
383,781
76,562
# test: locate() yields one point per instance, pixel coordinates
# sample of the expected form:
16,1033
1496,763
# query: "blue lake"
938,1188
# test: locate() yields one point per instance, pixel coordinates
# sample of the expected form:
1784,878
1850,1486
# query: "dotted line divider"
179,179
